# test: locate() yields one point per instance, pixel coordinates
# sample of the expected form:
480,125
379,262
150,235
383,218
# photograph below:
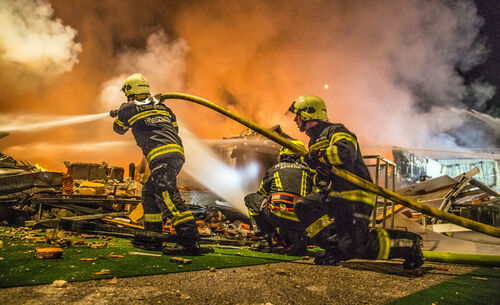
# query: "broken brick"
180,260
48,253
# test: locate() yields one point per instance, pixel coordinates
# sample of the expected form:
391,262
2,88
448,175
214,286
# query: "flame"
39,167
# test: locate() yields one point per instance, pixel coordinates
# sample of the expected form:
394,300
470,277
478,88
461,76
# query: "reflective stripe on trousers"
319,225
355,195
384,243
156,217
178,217
290,215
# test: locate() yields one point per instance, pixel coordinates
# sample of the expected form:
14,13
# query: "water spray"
361,183
203,165
40,122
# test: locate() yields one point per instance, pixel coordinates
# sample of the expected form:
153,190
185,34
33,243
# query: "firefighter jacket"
285,182
154,127
339,147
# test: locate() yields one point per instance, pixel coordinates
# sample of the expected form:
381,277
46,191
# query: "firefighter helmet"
287,152
309,107
136,84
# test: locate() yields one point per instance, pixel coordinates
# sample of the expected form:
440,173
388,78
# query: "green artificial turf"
19,267
481,286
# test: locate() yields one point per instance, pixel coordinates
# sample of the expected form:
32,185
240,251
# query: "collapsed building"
417,166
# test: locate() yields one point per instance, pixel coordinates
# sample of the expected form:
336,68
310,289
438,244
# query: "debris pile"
95,199
462,195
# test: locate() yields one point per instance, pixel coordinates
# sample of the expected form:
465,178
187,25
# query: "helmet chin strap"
147,100
303,126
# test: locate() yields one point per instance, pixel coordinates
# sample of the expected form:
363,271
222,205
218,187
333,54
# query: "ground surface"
301,282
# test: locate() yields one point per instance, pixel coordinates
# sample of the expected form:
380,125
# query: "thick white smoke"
162,62
33,42
403,74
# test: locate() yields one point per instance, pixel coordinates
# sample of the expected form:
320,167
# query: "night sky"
489,71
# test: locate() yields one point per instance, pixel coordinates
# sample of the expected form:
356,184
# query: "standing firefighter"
155,129
338,218
273,205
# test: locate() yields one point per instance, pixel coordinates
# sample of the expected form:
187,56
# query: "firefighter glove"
314,158
113,113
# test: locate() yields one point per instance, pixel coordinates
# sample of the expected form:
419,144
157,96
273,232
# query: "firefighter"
155,130
337,218
272,207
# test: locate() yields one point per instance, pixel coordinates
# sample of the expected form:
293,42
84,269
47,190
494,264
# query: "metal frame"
389,169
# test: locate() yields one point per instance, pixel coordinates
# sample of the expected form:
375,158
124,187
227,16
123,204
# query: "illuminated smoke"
390,66
393,68
32,42
162,62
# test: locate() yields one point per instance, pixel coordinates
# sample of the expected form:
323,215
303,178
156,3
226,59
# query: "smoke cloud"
393,68
162,62
33,44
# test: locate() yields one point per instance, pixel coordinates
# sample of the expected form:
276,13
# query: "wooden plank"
455,191
427,186
484,187
76,218
117,222
397,208
431,196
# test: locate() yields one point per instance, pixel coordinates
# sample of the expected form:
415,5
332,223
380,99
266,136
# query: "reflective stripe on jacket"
154,127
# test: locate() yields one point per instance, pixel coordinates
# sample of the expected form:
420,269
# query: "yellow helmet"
136,84
288,152
309,107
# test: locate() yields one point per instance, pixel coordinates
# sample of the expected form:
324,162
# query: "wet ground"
301,282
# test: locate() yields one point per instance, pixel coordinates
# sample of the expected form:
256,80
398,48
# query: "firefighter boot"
298,241
414,258
331,257
262,245
191,250
147,243
405,245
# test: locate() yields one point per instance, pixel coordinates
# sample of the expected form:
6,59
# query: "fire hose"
361,183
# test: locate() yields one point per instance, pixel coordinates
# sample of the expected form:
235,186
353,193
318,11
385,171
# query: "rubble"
60,283
463,196
98,245
48,253
180,260
103,272
144,254
89,195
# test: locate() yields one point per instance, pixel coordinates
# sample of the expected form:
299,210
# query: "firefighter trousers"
317,219
254,203
342,229
160,197
271,221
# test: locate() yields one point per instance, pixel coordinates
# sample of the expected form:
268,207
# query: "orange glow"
241,55
39,168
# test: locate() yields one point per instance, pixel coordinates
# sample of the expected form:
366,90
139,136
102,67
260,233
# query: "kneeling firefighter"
337,218
155,130
272,207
